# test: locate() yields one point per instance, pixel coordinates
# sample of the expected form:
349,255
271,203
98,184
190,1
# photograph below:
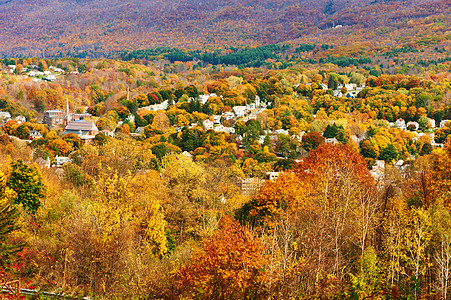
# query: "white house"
217,119
281,131
443,122
50,77
228,115
131,118
272,175
61,160
5,115
378,170
221,128
20,119
207,124
401,124
331,141
413,125
156,107
240,111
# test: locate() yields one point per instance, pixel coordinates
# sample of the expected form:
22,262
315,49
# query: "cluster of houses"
6,116
32,71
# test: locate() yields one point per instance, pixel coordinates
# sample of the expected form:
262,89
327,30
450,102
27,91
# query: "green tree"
8,215
23,132
312,140
426,149
389,153
27,182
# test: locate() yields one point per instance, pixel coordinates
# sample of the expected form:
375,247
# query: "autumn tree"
26,181
327,207
230,265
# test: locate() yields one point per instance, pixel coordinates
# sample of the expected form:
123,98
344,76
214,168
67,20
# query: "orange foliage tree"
230,266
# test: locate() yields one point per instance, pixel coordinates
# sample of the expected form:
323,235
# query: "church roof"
81,125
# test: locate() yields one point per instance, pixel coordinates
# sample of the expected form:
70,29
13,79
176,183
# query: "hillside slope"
97,27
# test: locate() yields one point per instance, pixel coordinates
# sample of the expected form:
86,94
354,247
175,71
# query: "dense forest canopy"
102,27
226,149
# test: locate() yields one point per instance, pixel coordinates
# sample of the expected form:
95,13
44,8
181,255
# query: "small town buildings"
281,131
108,132
220,128
156,107
228,115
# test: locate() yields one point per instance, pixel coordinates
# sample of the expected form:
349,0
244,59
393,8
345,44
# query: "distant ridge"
96,28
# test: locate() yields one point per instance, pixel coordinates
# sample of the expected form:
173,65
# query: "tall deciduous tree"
26,181
230,266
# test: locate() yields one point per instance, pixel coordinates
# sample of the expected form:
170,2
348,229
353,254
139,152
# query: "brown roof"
81,125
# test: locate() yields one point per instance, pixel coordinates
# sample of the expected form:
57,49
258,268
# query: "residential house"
240,111
49,77
413,126
61,160
401,124
139,130
272,175
108,133
156,107
5,116
221,128
378,170
217,119
443,122
207,124
187,154
331,141
281,131
20,119
34,134
228,115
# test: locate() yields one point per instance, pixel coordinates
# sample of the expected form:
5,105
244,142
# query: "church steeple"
67,112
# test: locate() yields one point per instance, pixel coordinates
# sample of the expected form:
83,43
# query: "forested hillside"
99,27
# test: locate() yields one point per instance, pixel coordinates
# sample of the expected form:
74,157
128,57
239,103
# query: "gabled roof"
81,125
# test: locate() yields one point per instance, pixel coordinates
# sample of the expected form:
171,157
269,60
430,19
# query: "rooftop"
81,125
